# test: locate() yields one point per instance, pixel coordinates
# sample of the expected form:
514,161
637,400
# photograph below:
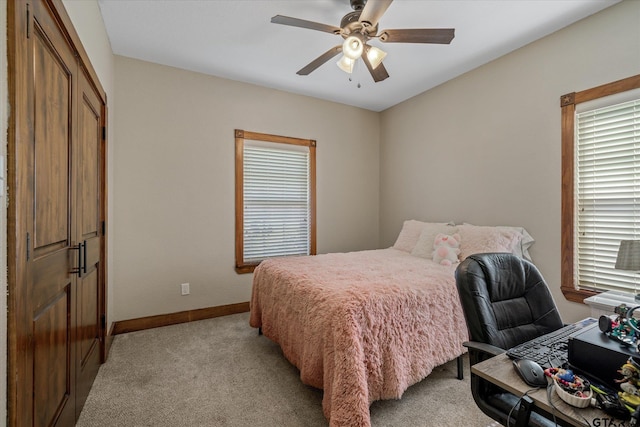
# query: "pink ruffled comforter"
362,326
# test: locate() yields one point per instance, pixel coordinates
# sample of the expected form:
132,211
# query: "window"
600,186
275,198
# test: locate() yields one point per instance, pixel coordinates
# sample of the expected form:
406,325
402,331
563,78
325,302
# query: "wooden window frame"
568,103
240,137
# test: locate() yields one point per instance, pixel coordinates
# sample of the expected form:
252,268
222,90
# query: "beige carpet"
220,372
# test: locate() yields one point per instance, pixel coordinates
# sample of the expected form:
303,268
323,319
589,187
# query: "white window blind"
608,193
276,200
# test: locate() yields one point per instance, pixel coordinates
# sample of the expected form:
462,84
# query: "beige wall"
173,199
485,147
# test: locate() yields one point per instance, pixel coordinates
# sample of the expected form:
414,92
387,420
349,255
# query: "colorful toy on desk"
630,386
632,403
573,389
624,328
630,381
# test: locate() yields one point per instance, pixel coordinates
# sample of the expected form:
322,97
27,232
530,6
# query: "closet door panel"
51,259
89,229
52,86
90,138
51,360
87,295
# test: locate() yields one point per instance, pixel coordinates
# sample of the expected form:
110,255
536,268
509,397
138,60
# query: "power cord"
517,403
554,409
526,394
555,354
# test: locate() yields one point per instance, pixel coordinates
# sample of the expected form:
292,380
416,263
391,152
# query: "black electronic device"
595,355
531,372
610,404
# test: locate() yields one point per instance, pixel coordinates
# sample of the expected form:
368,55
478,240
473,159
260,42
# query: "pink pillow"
410,233
477,239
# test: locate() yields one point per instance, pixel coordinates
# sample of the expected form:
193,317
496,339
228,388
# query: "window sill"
246,268
576,295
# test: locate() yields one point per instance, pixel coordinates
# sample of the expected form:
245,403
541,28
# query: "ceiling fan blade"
295,22
320,60
379,73
418,35
373,11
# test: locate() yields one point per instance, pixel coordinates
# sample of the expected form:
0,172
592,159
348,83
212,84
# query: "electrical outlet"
184,289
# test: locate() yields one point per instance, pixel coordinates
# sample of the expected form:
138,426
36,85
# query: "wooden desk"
499,370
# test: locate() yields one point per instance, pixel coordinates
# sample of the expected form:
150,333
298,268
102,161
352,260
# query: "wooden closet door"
56,243
49,395
89,230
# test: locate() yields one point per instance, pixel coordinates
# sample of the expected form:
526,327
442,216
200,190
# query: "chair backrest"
505,300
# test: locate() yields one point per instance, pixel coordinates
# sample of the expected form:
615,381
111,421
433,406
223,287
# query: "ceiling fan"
357,28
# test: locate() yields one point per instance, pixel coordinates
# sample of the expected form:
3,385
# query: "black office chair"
505,302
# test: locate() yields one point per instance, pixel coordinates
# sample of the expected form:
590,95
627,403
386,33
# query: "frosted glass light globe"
352,47
346,64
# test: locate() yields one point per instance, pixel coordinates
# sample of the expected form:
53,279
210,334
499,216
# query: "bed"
364,326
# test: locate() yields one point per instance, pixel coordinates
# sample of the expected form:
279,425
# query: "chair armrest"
485,348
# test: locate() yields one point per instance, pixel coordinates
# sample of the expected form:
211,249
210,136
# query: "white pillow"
478,239
521,250
424,246
410,233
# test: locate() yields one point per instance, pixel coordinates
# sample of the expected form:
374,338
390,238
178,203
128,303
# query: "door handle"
82,259
78,270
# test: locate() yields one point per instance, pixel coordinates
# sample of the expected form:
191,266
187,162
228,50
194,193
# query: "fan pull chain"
356,68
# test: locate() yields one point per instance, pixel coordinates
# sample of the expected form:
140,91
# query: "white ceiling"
234,39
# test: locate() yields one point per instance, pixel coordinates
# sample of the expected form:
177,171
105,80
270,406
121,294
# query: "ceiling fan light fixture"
352,47
375,56
357,28
346,64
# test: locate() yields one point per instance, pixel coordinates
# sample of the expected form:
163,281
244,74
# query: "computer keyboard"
549,350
